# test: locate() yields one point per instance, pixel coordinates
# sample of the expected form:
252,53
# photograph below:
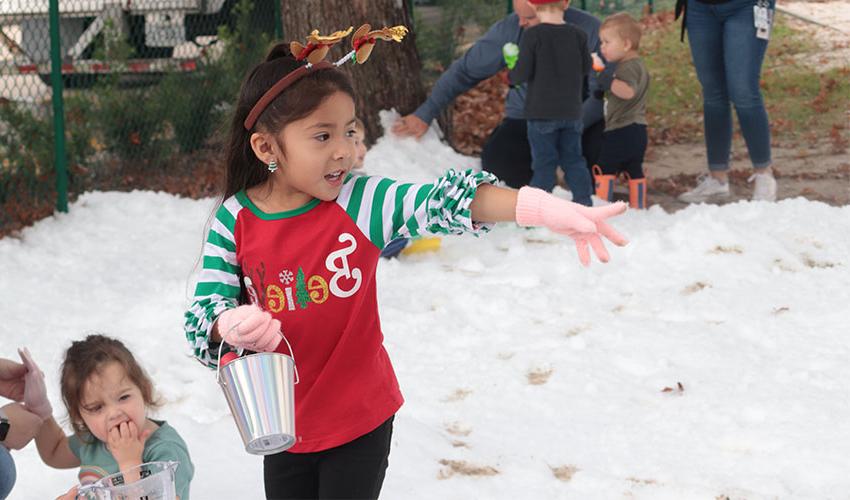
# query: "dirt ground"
820,172
817,173
828,23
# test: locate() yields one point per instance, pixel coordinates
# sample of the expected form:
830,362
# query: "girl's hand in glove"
585,225
249,327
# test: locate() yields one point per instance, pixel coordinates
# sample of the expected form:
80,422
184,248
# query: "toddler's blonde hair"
625,26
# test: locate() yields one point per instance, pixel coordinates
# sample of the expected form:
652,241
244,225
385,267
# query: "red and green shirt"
313,268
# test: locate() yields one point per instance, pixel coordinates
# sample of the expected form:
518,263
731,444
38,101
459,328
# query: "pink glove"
585,225
35,392
249,327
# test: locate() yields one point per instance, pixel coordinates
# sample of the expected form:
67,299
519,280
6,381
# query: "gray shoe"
764,188
707,188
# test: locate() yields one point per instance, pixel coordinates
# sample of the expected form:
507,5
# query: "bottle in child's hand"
510,52
598,65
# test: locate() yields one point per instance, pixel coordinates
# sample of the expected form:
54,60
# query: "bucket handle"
291,354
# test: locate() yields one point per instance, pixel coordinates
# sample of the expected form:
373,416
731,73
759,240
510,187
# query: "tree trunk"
390,78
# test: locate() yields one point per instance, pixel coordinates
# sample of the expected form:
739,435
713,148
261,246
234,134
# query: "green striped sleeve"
356,196
398,209
376,218
384,209
218,282
447,206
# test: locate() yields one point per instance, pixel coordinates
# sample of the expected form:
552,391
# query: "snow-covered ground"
526,375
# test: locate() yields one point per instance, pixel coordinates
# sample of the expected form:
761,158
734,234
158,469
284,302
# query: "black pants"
353,470
624,151
508,155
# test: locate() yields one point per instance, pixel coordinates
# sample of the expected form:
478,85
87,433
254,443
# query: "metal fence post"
278,20
58,110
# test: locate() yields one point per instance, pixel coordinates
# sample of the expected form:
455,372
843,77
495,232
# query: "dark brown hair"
88,357
244,169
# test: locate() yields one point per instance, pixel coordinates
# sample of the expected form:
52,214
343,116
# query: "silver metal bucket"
260,390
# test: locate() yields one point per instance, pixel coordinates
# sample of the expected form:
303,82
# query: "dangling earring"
272,166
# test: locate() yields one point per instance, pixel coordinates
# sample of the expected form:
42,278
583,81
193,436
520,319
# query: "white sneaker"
707,188
764,188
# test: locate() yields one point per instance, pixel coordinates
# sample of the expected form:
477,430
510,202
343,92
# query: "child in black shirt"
554,60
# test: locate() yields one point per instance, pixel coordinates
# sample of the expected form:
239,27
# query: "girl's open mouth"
334,177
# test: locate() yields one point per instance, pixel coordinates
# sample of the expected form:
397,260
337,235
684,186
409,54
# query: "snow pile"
708,358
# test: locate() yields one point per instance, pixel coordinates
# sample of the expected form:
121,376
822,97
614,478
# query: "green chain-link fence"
142,84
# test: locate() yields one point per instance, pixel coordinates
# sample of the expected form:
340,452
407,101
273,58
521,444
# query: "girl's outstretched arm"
534,207
494,204
53,447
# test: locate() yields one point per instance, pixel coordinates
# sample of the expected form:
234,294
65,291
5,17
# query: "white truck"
153,29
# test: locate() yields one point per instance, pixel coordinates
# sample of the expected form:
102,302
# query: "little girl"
296,242
107,395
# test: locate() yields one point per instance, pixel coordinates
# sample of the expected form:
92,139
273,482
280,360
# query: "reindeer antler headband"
315,51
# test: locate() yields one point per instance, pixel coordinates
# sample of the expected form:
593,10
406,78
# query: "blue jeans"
728,57
558,142
7,472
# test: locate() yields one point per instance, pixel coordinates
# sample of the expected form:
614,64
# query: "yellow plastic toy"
422,245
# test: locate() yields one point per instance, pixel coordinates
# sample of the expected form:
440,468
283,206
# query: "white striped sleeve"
384,209
218,285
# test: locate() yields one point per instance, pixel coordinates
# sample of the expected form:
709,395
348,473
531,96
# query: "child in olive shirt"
624,140
554,60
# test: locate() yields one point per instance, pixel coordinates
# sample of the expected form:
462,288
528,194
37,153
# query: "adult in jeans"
506,152
17,425
728,52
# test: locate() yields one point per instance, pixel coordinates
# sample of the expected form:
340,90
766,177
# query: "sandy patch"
827,23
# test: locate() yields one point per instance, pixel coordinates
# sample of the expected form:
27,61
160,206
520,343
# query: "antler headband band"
316,49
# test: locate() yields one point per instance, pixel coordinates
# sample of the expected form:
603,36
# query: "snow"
525,374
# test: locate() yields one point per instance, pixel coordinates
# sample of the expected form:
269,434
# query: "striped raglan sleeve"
218,283
385,209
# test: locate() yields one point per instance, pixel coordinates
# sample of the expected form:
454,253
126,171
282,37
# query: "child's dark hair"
244,169
88,357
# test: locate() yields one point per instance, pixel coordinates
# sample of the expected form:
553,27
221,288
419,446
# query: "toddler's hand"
584,225
598,65
249,327
126,444
35,392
